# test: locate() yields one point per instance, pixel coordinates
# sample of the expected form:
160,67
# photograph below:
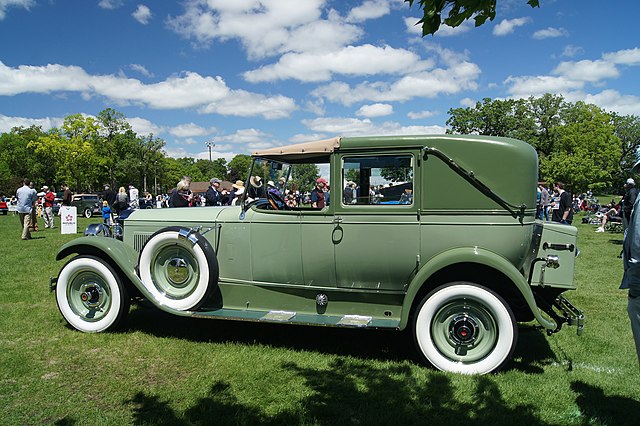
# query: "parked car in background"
87,204
459,263
4,208
57,202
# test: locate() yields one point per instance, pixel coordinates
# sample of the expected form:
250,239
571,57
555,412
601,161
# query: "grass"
162,369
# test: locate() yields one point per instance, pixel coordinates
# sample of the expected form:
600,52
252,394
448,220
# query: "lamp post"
210,144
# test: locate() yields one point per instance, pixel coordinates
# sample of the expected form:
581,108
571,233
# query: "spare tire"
179,268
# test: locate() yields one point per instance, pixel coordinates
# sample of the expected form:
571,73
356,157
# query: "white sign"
69,220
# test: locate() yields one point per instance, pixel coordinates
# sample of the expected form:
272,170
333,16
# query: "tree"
115,143
239,167
508,118
459,11
547,112
19,161
587,151
79,164
627,129
304,176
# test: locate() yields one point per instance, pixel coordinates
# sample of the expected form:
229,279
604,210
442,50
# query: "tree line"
579,144
88,152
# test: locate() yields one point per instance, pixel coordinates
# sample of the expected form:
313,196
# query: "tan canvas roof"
326,146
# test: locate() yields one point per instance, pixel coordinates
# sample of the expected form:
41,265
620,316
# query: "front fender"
123,256
471,255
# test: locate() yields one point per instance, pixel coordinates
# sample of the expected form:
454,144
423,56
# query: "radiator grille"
139,240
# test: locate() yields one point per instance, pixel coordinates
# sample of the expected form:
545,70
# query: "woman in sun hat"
237,192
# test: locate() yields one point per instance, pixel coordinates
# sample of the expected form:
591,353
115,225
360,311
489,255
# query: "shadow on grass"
362,343
531,354
351,392
597,408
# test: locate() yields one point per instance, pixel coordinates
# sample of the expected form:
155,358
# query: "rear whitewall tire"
465,309
177,272
90,296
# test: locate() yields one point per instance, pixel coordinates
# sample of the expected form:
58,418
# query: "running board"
289,317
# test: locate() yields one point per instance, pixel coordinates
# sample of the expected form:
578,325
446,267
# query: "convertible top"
301,150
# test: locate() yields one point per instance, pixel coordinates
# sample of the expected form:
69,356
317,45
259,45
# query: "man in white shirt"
27,198
133,196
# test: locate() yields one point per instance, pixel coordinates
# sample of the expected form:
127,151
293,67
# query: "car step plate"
278,316
355,320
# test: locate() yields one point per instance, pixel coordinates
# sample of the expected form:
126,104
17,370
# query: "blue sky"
252,74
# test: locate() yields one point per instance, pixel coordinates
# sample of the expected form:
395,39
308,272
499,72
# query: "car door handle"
337,220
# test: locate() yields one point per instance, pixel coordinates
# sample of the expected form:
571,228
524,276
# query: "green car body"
460,260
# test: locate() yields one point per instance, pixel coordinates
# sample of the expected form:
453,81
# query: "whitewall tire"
465,328
178,268
90,295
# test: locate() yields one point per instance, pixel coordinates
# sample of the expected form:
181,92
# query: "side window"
377,180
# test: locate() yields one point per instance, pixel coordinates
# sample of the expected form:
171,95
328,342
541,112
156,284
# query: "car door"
377,239
275,245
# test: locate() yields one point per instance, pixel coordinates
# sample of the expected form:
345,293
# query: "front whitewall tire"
90,296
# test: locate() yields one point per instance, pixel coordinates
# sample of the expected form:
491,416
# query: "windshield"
267,175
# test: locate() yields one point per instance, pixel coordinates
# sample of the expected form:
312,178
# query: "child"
106,213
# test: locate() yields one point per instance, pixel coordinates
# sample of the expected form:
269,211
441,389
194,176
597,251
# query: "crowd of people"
555,203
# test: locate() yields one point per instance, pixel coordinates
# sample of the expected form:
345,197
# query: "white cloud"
428,84
369,9
142,14
413,27
351,60
265,27
6,4
571,51
356,127
418,115
253,136
612,100
624,57
508,26
141,69
467,103
375,110
307,137
110,4
144,127
47,123
188,90
190,130
591,71
525,86
550,32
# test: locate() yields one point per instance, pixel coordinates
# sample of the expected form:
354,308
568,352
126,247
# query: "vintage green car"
435,234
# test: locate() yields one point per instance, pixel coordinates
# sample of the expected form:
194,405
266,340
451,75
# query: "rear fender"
471,255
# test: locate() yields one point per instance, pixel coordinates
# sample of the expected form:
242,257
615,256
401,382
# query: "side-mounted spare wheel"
90,295
179,268
465,328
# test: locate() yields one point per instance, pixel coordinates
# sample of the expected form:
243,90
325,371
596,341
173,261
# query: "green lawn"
162,369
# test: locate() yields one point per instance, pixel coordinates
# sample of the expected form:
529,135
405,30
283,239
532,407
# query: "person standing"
49,198
317,195
133,196
181,196
109,195
545,199
630,196
213,196
563,210
27,197
66,196
122,200
631,264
